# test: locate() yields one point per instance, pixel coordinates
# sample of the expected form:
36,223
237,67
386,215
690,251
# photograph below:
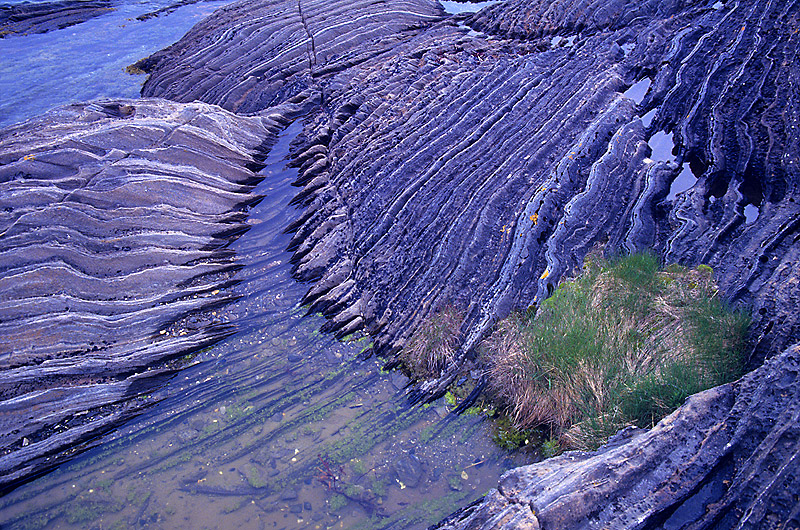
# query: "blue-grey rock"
114,218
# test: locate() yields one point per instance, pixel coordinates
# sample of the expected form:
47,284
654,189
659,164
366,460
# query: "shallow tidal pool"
279,426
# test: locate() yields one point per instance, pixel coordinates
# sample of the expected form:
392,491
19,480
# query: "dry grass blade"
432,347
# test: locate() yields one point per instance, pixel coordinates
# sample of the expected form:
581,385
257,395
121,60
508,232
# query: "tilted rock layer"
473,161
115,218
458,168
40,17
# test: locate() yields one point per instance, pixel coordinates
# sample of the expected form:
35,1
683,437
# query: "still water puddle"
750,213
279,426
454,8
638,90
683,182
661,145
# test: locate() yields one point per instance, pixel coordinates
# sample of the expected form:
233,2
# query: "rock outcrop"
41,17
113,232
727,459
248,56
452,167
474,161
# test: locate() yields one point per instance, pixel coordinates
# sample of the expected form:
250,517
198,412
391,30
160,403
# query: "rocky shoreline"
473,161
115,221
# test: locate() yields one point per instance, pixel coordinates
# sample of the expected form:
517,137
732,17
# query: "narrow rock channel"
251,431
472,161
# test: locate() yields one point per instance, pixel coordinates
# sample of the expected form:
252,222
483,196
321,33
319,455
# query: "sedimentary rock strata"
476,170
113,232
473,161
251,55
726,459
41,17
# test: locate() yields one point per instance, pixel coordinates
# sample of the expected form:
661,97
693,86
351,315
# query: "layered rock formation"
115,218
459,168
474,161
251,55
41,17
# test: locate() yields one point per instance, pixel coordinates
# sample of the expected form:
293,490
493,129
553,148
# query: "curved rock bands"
445,167
252,55
451,168
115,217
730,457
440,177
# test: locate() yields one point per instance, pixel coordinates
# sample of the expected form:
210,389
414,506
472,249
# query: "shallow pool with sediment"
279,426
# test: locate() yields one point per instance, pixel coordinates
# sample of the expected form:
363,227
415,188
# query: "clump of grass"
623,344
433,345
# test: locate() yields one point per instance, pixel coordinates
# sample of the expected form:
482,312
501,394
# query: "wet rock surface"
727,458
41,17
113,233
475,161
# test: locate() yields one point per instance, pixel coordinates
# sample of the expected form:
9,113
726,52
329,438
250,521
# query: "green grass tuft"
625,343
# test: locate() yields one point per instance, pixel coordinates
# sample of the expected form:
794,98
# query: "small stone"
408,469
289,495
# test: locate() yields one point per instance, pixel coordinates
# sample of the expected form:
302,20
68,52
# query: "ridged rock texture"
449,167
115,218
40,17
473,161
726,459
252,55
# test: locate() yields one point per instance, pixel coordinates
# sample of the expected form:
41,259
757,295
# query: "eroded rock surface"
114,222
251,55
451,167
474,161
727,459
41,17
446,166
